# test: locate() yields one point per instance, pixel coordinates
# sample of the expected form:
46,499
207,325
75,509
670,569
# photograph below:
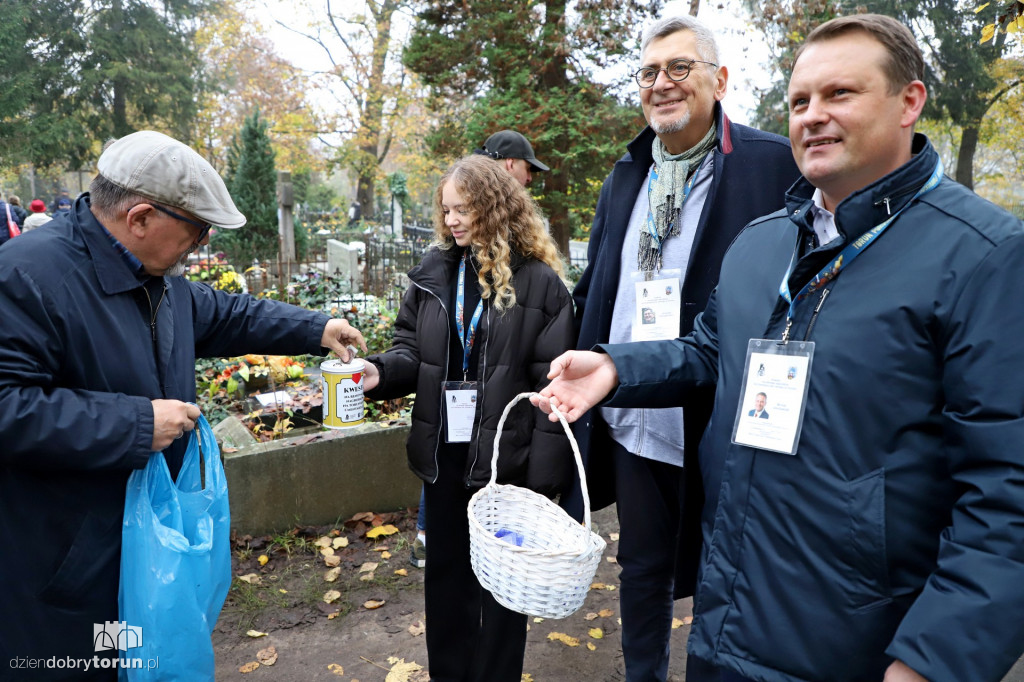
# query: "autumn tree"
365,80
531,65
253,186
243,72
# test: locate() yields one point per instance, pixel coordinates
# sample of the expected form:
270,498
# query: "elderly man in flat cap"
98,342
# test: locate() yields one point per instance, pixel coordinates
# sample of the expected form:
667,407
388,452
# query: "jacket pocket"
90,572
867,582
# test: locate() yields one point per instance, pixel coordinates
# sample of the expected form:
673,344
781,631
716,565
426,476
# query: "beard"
179,268
672,126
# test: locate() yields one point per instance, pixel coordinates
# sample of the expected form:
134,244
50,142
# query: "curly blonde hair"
506,220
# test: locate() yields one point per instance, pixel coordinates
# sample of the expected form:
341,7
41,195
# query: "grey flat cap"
166,171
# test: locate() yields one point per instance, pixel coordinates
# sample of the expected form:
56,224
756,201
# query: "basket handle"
572,442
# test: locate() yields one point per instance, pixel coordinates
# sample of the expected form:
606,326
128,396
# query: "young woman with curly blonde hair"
486,312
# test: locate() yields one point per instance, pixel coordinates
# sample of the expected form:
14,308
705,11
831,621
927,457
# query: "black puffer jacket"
516,348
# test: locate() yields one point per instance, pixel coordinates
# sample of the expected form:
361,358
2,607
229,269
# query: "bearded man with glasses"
686,186
97,371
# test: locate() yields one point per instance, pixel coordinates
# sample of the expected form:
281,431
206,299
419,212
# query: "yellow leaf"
332,596
982,7
371,604
596,633
332,575
606,613
333,615
336,669
417,628
263,559
323,542
332,560
538,620
381,531
382,548
251,578
614,537
256,633
327,551
527,677
267,656
400,670
563,638
282,591
590,645
402,572
987,32
249,667
385,555
597,586
611,560
1013,26
676,623
368,566
339,543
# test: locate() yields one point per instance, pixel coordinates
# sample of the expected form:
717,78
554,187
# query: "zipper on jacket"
447,359
481,372
152,317
814,315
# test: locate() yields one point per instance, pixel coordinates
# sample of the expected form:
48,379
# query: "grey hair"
112,199
707,47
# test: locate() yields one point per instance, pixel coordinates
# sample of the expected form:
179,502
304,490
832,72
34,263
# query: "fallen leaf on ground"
400,670
602,586
590,616
381,531
282,591
251,578
687,620
590,645
256,633
249,667
402,572
606,613
334,533
367,577
527,677
368,567
385,555
332,596
332,560
362,516
336,669
563,638
676,623
417,628
614,537
538,620
267,656
339,543
332,574
323,543
373,603
596,633
333,615
327,551
611,560
382,548
263,559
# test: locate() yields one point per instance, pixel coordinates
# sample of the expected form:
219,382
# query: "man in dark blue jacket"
667,212
873,528
97,369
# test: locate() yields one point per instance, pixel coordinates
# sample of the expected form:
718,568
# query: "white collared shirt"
824,220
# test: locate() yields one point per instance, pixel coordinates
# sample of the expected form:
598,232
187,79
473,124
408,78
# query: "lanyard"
466,336
650,210
846,256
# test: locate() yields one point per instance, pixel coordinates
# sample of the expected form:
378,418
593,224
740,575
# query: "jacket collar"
870,205
112,271
640,147
439,268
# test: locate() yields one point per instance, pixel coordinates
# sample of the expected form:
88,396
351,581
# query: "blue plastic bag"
175,564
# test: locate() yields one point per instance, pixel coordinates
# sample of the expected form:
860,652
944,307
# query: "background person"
487,312
686,186
97,370
900,509
38,217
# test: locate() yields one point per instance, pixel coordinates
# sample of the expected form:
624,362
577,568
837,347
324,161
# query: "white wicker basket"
550,573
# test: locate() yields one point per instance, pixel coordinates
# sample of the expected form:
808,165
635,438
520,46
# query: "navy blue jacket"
752,170
897,528
79,367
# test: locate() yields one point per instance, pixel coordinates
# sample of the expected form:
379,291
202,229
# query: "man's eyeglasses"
204,228
677,70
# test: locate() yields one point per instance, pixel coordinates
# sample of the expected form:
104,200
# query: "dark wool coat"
516,348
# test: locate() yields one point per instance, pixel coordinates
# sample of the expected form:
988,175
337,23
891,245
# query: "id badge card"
656,314
459,410
776,379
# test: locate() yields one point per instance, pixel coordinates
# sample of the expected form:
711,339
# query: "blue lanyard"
650,209
846,256
466,337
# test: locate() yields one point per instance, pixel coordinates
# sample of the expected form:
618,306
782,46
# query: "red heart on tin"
356,376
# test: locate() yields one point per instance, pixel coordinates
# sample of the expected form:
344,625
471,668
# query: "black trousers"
470,637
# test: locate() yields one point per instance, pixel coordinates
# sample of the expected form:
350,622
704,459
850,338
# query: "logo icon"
116,635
